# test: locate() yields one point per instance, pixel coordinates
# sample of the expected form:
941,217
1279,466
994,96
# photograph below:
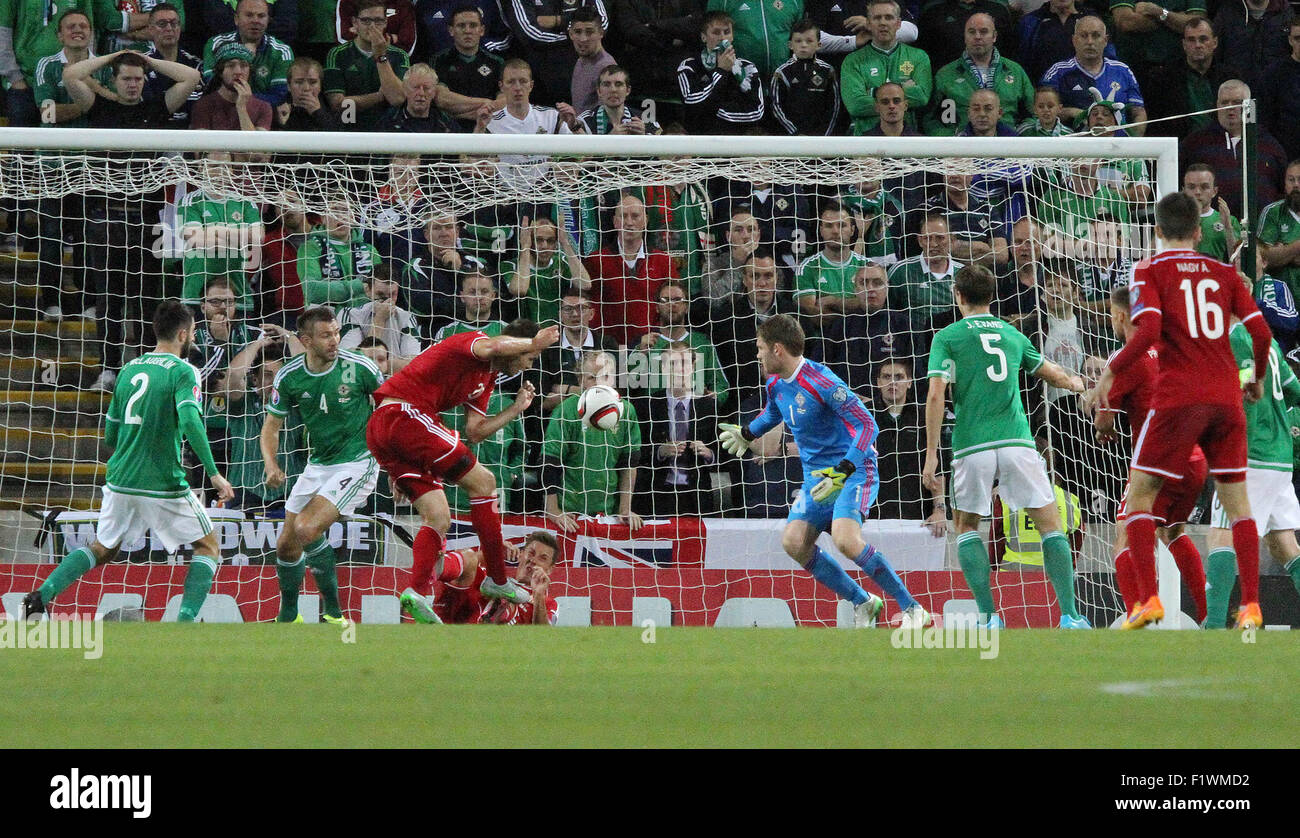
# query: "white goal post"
51,418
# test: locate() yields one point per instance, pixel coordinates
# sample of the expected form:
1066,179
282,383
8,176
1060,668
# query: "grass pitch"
301,686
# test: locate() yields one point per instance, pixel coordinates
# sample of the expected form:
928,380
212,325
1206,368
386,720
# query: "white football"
600,407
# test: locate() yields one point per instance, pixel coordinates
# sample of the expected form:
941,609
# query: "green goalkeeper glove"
733,440
832,480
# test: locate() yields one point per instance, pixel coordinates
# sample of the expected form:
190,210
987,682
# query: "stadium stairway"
49,422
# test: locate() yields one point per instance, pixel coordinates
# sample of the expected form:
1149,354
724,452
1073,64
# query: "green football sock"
197,582
1220,572
974,559
72,568
1292,569
321,559
1059,565
290,576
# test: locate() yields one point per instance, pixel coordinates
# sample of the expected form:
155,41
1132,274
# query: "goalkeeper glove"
734,439
832,480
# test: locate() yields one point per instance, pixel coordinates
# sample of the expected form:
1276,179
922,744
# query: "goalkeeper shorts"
853,501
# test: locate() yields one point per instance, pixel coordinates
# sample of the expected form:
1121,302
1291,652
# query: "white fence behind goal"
106,224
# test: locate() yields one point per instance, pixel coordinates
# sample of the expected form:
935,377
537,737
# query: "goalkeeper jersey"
145,410
1268,430
334,405
981,356
828,421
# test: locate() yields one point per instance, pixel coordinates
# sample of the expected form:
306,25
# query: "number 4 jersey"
981,357
334,404
1192,296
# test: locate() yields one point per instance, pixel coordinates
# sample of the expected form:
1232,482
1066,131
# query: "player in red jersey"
420,453
462,573
1184,300
1130,393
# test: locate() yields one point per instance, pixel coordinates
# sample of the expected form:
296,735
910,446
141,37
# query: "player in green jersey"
330,389
156,402
1269,467
981,356
1220,232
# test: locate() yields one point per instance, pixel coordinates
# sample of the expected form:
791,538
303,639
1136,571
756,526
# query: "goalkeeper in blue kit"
836,436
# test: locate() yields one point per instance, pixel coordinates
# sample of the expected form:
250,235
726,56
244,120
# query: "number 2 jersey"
980,357
443,376
145,417
827,419
1180,302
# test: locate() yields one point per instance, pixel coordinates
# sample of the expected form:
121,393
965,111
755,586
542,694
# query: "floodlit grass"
301,686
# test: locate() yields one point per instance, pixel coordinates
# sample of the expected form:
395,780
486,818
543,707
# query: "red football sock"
487,523
453,565
1188,559
1141,530
428,547
1126,580
1245,540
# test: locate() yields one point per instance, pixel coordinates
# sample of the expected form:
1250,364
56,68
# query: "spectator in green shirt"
252,377
363,78
588,471
884,59
335,261
548,263
271,56
478,299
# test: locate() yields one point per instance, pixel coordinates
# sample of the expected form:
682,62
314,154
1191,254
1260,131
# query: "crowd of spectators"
659,289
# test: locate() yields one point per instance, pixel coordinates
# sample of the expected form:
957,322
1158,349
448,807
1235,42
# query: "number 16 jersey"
981,357
1194,296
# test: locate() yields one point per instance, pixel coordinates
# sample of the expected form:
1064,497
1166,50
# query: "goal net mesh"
670,262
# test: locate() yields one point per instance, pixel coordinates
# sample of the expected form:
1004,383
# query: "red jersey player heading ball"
419,453
1183,300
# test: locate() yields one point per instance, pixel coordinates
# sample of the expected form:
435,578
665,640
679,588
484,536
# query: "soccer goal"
658,256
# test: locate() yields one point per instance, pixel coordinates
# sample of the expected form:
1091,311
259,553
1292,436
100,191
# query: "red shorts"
458,606
418,452
1164,447
1177,498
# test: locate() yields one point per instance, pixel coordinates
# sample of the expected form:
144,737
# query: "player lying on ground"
1183,300
836,437
155,402
463,573
331,391
981,357
420,453
1130,393
1268,480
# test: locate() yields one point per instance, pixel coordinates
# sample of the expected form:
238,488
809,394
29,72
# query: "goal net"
658,257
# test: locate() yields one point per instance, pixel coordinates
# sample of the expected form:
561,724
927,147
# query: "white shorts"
175,521
346,485
1273,503
1020,472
